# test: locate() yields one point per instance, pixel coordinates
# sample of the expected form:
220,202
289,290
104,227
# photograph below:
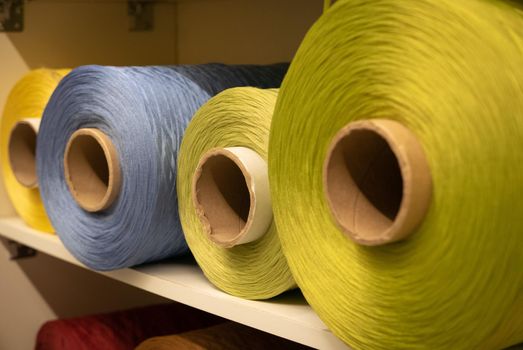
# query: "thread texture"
239,117
225,336
144,111
121,330
27,99
450,71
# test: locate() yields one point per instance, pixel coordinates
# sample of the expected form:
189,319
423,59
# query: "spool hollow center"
22,151
92,170
231,195
377,181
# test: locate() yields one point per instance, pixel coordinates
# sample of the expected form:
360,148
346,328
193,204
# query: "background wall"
70,33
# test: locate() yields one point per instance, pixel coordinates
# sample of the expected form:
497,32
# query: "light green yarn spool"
238,117
450,72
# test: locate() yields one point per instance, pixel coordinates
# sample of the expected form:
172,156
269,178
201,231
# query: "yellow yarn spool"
223,198
449,72
27,99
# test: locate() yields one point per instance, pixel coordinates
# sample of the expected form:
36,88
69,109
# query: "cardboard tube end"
231,195
22,151
92,169
377,181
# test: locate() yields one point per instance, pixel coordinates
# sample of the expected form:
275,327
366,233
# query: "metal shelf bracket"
141,13
11,15
19,251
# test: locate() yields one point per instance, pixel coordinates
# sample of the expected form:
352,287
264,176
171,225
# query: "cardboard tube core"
231,195
92,169
377,181
22,151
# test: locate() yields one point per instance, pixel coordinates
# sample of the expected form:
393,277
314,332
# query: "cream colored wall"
243,31
71,33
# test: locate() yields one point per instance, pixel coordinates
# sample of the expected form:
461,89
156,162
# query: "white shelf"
288,316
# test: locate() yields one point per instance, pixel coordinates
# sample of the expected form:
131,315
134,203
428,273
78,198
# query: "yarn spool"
226,210
19,128
225,336
121,330
449,73
131,119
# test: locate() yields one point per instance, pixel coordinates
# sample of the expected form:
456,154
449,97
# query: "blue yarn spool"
144,111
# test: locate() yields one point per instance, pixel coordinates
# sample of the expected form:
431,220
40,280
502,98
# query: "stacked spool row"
392,151
158,327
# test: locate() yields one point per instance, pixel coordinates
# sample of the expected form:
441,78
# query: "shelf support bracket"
11,15
19,251
141,13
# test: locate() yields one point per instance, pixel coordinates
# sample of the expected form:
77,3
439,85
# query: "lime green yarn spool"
218,206
449,72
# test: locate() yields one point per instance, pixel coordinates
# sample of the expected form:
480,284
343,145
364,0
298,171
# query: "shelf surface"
288,316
